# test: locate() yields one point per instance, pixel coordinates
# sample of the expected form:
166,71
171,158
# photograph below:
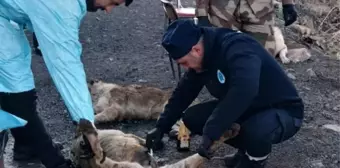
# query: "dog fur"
118,146
113,102
281,48
290,53
92,148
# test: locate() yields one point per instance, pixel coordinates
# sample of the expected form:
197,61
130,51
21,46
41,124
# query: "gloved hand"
204,148
289,14
204,21
154,139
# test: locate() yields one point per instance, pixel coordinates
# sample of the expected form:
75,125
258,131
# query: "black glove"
203,21
289,14
204,148
154,139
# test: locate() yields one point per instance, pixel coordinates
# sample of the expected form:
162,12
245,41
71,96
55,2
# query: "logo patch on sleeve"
220,76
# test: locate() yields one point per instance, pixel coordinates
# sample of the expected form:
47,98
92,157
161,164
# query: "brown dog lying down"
113,102
94,148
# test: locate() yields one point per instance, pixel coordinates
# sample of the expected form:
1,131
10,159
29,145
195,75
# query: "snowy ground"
124,47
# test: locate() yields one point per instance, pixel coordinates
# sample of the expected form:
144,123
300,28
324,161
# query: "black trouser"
258,132
33,134
3,142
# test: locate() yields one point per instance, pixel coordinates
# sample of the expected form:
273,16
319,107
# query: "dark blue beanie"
179,38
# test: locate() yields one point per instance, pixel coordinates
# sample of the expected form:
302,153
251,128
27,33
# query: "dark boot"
33,134
25,153
246,163
232,160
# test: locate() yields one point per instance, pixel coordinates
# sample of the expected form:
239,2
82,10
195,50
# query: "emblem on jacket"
220,76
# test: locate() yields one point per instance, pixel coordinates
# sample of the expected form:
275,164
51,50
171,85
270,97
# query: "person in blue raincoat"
55,24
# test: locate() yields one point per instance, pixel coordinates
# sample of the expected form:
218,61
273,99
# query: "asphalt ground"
124,47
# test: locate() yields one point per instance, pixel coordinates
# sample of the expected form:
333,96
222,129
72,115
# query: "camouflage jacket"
219,7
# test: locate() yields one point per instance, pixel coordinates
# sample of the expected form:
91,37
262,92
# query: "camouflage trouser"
3,142
255,17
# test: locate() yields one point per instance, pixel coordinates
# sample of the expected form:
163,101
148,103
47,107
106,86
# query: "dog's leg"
193,161
109,163
109,114
139,139
283,55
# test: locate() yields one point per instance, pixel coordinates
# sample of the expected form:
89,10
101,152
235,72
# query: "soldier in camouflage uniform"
256,17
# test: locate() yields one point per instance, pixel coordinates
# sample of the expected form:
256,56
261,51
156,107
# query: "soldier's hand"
154,139
289,14
203,21
204,148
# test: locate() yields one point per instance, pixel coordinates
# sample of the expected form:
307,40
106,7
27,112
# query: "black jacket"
252,80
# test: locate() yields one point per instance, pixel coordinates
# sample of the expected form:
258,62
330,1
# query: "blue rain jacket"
9,121
56,25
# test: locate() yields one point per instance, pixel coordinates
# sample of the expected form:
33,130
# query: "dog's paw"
285,60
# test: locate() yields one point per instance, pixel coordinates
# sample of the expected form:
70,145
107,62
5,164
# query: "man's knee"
191,122
195,117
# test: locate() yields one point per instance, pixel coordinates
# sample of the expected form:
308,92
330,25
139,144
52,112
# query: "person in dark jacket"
249,85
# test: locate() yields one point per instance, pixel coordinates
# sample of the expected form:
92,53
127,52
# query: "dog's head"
86,150
93,83
95,87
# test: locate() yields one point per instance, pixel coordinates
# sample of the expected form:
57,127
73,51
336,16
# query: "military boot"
245,162
232,160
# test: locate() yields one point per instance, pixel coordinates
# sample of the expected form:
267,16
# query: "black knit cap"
179,38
